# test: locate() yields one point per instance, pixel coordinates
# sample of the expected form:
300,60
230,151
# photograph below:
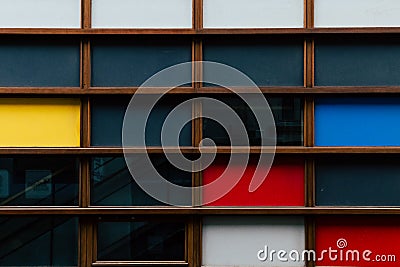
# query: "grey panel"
32,63
358,182
357,63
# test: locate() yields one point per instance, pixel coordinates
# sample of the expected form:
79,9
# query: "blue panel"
357,122
357,63
39,64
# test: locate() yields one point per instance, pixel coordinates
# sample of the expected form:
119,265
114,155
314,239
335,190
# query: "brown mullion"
309,78
85,223
195,244
82,257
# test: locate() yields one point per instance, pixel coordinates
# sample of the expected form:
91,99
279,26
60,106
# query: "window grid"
88,216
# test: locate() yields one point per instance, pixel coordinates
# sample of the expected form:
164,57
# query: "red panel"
284,185
379,235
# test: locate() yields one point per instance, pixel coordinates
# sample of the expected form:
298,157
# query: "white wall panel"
357,13
235,241
40,13
141,13
253,13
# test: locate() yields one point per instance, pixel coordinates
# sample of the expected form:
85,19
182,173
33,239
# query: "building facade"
328,69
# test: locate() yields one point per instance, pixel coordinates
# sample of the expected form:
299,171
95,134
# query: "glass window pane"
38,122
113,185
379,235
357,122
141,241
40,14
266,62
357,13
39,241
142,14
130,63
357,63
35,63
108,115
235,241
38,181
284,185
287,113
377,182
253,14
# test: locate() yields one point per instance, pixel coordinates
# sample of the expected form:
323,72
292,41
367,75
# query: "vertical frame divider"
194,244
86,225
309,128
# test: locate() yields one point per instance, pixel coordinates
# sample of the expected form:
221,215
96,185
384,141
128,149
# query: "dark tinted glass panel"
287,113
357,121
108,114
267,63
38,241
38,181
368,182
112,184
132,63
141,241
357,63
35,63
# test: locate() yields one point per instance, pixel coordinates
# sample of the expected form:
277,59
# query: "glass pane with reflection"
38,181
141,241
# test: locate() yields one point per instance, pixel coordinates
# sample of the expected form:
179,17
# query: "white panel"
40,13
357,13
236,241
142,13
253,13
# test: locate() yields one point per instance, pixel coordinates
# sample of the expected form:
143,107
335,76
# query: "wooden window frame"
88,215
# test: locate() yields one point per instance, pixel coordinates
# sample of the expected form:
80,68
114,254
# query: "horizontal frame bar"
166,210
252,31
93,151
138,263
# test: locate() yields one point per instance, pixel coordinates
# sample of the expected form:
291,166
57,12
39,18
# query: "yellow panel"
39,122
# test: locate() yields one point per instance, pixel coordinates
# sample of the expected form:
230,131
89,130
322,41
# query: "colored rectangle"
160,14
40,14
266,62
39,181
108,115
38,122
253,14
357,13
39,64
131,63
371,62
377,182
283,185
141,241
243,241
357,241
113,185
357,122
39,241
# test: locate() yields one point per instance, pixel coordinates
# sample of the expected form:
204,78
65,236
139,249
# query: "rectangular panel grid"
104,189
